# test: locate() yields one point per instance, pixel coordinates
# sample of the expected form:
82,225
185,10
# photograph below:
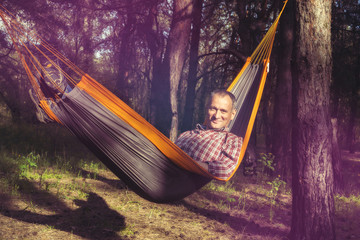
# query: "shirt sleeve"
184,140
226,165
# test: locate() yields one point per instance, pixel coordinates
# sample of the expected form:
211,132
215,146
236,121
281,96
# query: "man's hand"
204,165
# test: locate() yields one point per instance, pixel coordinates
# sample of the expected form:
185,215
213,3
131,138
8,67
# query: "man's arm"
226,165
222,169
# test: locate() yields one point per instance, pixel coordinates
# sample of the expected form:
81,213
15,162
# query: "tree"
125,53
13,79
281,131
336,158
312,180
159,97
345,86
177,48
193,65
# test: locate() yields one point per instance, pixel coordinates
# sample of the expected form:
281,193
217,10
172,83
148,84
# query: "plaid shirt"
220,149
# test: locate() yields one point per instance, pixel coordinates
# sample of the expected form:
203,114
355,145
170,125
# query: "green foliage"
267,164
266,160
274,193
92,168
128,230
9,173
28,163
242,199
275,186
25,160
226,187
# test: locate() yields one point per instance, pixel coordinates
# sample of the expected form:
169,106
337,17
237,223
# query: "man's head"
220,109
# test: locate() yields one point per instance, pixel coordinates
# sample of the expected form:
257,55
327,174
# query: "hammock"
141,156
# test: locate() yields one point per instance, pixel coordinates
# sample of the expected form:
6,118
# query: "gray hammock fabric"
126,152
130,155
245,91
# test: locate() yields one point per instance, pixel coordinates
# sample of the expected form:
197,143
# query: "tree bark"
124,56
193,64
312,181
160,86
177,45
10,94
350,137
336,158
281,133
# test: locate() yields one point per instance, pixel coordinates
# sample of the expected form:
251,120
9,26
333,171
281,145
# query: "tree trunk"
124,56
336,158
312,182
193,64
177,45
350,137
281,133
160,86
10,94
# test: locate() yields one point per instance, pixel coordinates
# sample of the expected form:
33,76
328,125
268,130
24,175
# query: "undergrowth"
29,154
51,159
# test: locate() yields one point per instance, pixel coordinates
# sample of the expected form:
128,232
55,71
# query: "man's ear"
233,113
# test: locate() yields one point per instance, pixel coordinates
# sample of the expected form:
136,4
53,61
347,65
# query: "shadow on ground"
92,219
235,221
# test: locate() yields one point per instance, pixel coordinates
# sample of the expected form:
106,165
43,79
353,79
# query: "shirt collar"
203,127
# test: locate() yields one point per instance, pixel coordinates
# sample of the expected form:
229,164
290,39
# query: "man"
212,145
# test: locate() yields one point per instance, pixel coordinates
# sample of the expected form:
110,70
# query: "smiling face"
220,112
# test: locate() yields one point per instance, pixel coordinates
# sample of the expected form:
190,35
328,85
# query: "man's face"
220,112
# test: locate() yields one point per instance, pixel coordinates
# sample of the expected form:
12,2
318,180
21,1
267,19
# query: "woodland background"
134,48
126,46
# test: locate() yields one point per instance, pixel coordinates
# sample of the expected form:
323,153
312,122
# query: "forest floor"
55,202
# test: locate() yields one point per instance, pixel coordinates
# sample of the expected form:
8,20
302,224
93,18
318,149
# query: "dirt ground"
111,211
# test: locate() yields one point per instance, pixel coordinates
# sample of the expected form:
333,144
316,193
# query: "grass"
65,181
347,210
29,154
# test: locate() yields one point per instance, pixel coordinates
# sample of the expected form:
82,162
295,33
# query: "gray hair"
222,93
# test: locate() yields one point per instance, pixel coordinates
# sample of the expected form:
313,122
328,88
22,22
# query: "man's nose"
217,114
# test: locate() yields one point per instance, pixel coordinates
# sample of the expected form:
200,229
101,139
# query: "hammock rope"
131,165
